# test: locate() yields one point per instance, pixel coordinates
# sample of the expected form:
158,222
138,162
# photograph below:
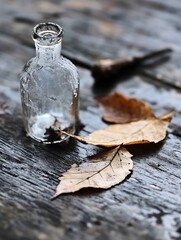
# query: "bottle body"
49,88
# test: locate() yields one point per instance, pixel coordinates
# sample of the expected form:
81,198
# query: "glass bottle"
49,87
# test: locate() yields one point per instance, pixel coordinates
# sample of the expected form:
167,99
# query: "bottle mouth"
47,34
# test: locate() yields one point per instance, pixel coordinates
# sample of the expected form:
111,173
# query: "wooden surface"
147,206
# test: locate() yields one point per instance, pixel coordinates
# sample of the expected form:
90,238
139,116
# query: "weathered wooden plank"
33,177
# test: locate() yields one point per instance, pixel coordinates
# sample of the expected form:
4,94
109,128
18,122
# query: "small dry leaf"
143,131
102,170
120,109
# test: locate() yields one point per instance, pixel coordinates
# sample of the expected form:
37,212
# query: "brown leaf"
143,131
102,170
120,109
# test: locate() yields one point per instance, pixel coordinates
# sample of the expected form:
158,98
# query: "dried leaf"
120,109
143,131
102,170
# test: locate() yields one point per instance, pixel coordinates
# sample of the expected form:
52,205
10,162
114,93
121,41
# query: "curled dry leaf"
102,170
120,109
143,131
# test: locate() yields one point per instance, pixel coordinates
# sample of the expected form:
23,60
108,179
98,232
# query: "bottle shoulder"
70,71
62,64
67,65
61,70
28,67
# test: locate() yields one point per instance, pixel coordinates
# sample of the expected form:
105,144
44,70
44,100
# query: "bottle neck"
46,55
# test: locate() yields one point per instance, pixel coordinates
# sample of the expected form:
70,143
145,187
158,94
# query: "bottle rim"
47,33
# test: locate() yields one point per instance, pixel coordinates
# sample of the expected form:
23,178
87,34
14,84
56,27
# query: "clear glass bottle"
49,88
